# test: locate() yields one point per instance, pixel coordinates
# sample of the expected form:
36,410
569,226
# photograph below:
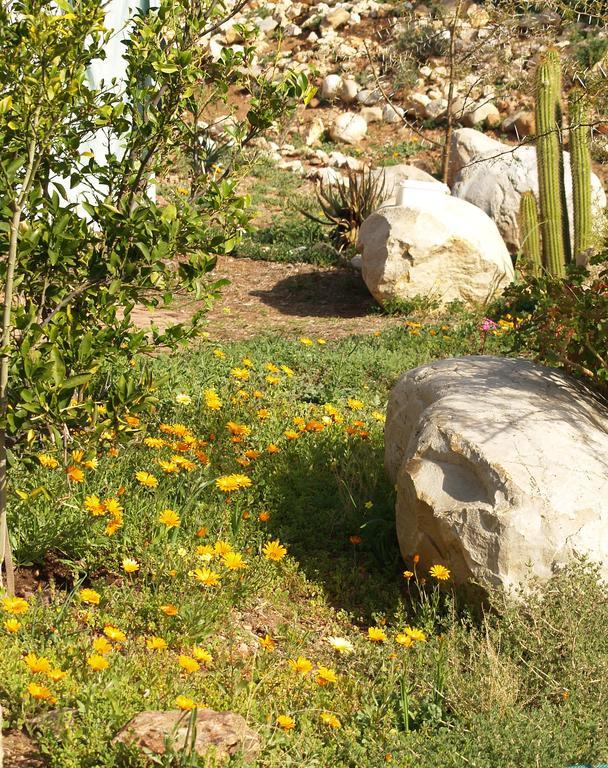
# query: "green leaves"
92,244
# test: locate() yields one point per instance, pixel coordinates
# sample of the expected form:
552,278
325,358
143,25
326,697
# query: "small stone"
336,18
356,262
436,109
337,159
226,731
417,103
294,166
232,35
525,124
348,91
372,114
486,112
392,114
267,25
368,98
391,177
478,17
348,127
292,30
327,176
330,87
315,130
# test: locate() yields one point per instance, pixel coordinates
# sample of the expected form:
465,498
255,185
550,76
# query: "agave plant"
346,204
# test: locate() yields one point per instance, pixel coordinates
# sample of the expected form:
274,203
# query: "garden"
264,500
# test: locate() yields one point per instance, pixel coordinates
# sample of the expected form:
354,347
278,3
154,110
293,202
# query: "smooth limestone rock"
483,112
348,91
443,248
330,87
501,469
393,114
226,732
522,124
393,175
368,98
493,176
348,127
371,114
316,129
336,18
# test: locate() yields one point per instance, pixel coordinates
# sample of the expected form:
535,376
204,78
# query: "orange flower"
114,634
14,605
129,565
188,664
325,676
376,635
40,692
156,644
75,474
169,518
97,663
37,663
267,643
90,596
286,722
274,550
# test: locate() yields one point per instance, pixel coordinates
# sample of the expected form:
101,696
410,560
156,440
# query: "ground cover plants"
236,550
211,525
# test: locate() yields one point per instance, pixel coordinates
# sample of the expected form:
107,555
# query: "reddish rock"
227,732
19,751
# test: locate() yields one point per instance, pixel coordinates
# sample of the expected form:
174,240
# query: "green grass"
292,237
522,684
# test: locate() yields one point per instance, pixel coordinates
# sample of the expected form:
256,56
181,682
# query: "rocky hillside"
387,72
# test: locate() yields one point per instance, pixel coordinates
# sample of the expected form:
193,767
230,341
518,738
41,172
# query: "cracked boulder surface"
500,467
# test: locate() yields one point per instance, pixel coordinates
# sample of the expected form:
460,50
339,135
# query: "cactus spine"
549,154
530,232
580,160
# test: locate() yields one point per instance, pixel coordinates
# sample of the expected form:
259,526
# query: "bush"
70,284
564,324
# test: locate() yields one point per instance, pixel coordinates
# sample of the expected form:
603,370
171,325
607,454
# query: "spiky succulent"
346,204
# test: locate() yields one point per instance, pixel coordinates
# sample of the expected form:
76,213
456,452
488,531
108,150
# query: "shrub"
564,324
70,284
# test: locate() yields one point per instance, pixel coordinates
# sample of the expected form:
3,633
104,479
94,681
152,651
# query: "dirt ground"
287,299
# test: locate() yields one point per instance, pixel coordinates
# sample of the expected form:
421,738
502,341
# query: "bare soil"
285,299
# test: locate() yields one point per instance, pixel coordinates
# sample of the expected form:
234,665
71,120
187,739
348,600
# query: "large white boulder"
493,176
500,467
439,247
393,175
349,127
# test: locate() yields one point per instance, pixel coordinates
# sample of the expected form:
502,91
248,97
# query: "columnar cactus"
549,157
580,159
530,232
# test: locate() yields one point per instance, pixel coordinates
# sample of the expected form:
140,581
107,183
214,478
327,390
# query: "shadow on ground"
326,494
332,293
